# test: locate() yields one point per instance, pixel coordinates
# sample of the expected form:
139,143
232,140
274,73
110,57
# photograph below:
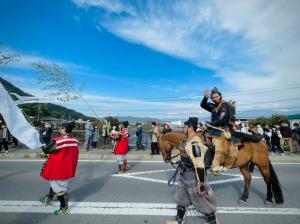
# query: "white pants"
120,158
59,185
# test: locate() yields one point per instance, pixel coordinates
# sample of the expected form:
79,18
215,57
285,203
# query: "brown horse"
255,152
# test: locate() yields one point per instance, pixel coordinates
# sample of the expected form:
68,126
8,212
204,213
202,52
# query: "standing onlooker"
254,130
243,128
260,130
96,136
267,137
114,135
3,137
139,135
275,141
105,134
88,135
155,136
15,141
46,133
296,136
287,135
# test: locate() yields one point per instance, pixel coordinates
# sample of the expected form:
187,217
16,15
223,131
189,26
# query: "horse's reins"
172,180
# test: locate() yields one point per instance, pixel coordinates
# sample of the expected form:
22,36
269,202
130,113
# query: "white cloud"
106,105
249,44
214,34
112,6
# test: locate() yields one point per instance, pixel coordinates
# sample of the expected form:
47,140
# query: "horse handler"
193,188
121,148
60,167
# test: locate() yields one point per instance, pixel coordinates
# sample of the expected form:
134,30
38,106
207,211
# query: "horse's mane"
174,137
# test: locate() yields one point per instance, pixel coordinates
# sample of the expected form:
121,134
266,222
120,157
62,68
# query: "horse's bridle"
173,157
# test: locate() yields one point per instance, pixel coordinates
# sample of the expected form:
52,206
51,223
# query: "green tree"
260,120
113,121
277,119
57,115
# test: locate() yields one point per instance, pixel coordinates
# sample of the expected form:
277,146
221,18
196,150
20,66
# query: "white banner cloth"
16,123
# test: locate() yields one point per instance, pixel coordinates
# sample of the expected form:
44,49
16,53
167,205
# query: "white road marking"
134,175
121,208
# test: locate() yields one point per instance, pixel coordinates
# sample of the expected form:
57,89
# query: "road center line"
149,209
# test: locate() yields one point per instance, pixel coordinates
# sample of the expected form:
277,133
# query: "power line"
197,113
236,93
238,105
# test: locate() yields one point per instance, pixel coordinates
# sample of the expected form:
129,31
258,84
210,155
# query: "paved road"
140,196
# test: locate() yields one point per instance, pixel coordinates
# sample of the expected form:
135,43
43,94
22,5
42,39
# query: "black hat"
68,126
125,124
215,90
192,122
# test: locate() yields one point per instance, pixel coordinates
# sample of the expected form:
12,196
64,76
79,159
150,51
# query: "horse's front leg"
247,178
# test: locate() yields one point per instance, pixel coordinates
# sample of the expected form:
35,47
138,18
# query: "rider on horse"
223,118
193,187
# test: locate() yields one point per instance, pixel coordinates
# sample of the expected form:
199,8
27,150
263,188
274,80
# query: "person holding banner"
60,167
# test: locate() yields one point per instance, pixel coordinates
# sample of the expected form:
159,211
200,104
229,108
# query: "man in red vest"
121,148
60,167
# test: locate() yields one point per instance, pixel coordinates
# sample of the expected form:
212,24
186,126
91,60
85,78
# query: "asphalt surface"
140,196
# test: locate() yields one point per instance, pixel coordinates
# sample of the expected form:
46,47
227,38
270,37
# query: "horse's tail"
275,186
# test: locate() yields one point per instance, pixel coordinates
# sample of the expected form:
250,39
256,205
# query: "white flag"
16,123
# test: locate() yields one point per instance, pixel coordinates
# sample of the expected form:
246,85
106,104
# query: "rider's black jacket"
219,116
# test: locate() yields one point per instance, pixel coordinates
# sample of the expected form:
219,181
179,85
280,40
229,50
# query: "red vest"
62,164
121,147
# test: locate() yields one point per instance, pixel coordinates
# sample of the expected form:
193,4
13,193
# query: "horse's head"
167,142
166,150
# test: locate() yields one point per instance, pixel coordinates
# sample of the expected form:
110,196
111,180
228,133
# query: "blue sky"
155,58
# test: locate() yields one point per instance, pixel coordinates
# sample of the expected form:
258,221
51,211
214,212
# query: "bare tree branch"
7,58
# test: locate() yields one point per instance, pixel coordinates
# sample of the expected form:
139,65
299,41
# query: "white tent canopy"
16,123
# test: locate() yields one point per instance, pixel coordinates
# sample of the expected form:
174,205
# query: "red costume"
122,143
62,163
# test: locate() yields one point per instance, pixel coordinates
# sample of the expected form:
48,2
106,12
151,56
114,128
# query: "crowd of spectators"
279,138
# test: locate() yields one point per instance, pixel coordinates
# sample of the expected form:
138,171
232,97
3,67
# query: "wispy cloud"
111,6
26,63
249,45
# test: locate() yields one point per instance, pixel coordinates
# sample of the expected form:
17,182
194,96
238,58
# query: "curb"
96,155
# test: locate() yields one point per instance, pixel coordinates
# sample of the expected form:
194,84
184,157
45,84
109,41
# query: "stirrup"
61,211
46,200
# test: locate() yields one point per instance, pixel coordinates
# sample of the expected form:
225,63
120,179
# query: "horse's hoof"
242,202
269,203
216,172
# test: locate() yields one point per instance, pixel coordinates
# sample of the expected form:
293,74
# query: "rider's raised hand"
207,93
